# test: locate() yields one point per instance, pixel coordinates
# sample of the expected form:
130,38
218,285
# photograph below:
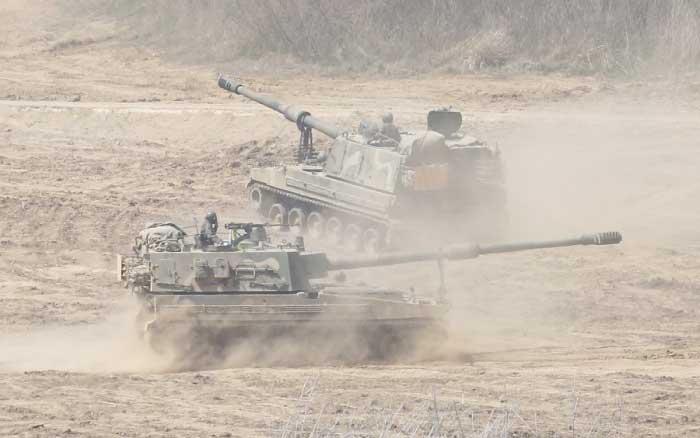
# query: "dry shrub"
583,36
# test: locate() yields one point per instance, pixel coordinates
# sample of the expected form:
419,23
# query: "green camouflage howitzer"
364,192
249,285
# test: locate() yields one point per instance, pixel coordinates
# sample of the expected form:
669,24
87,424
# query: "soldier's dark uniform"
207,233
389,129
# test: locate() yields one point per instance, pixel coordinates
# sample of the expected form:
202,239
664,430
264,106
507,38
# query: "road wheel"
334,230
255,195
371,240
315,224
297,218
277,214
352,238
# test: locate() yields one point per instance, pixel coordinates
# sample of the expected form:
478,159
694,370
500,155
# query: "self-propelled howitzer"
367,190
245,283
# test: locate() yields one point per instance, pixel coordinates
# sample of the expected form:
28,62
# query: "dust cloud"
295,345
570,169
112,345
596,166
117,345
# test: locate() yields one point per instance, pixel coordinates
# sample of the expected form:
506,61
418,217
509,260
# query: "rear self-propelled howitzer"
369,191
243,283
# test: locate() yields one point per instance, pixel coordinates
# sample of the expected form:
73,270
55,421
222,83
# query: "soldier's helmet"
388,118
368,129
211,217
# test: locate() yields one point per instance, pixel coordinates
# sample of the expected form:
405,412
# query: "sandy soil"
98,137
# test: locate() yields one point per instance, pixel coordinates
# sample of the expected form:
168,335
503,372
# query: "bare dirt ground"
98,137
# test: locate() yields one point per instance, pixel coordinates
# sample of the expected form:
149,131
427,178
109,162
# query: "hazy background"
619,37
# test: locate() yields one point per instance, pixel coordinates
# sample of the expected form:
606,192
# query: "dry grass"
582,36
443,413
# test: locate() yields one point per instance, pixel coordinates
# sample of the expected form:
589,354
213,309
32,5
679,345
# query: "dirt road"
602,340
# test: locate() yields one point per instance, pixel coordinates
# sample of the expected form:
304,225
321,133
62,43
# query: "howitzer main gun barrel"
469,251
293,114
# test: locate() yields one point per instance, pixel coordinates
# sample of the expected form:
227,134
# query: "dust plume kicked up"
604,165
571,169
118,344
110,346
298,344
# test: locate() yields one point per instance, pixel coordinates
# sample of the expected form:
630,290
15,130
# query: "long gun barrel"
470,251
293,114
